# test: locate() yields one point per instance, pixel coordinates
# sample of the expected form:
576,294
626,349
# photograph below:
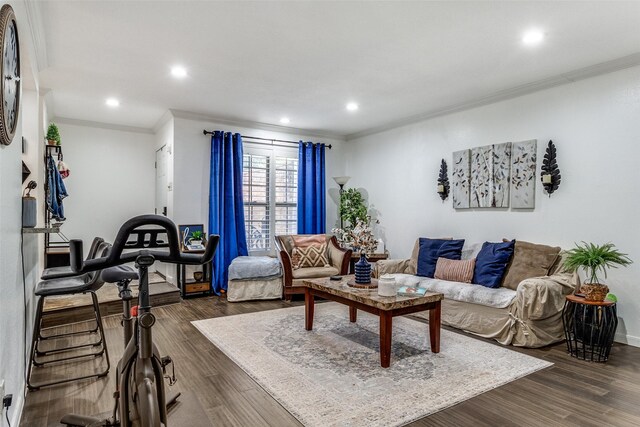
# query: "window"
270,194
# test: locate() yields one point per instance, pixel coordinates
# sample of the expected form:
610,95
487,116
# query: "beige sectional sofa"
529,316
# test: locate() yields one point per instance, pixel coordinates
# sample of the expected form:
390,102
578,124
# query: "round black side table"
589,327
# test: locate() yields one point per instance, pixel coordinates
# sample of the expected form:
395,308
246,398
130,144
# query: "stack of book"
410,291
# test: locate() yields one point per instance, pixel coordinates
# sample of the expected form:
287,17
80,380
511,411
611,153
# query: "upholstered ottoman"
254,278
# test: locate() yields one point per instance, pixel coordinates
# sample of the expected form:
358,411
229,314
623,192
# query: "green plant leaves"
352,208
595,259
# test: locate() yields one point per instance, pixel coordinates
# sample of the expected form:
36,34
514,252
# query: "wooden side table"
372,258
589,327
191,287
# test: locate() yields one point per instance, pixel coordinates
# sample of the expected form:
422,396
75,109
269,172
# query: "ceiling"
260,61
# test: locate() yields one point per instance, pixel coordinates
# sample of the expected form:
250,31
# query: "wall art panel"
501,175
523,174
460,179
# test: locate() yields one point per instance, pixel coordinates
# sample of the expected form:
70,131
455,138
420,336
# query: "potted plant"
196,238
595,260
352,208
53,134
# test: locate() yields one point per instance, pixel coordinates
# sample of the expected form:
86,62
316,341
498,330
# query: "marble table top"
369,296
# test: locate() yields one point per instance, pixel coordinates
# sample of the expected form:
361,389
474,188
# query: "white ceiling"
259,61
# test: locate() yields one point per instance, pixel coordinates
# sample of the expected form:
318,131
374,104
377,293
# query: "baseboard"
627,339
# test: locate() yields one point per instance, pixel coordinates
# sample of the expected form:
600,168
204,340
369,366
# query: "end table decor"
595,260
363,270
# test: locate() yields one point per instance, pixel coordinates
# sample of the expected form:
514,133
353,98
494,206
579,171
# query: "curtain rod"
206,132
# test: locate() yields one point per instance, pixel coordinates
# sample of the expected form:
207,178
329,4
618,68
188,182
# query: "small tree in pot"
595,260
352,208
53,134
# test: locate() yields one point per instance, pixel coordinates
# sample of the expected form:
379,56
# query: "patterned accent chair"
338,262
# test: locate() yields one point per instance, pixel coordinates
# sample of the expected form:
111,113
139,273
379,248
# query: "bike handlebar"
147,239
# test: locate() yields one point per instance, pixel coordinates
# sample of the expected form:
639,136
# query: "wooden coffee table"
368,300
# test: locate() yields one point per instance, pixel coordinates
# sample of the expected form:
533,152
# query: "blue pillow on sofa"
491,263
432,249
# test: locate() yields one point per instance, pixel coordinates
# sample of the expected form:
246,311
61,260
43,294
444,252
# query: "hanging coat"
56,191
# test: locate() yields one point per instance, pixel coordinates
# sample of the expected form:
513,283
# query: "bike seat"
119,273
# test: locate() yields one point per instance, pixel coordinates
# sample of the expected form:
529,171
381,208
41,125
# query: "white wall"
13,310
595,125
112,179
164,138
11,304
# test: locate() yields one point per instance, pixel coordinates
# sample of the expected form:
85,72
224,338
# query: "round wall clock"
10,73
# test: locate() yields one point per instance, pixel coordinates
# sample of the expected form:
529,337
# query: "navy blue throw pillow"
432,249
491,263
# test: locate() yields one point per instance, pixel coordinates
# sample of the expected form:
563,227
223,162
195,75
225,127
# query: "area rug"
331,376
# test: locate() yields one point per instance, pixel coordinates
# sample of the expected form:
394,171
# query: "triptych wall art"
495,176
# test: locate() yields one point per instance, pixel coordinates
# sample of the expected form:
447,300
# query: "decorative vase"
198,276
362,270
594,291
387,286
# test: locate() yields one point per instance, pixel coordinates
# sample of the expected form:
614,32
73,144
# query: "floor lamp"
341,181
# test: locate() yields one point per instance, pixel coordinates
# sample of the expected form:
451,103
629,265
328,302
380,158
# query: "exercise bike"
140,399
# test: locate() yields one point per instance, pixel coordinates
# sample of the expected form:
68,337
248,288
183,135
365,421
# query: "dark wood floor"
571,392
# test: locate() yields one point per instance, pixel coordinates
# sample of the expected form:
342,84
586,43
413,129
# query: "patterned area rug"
331,376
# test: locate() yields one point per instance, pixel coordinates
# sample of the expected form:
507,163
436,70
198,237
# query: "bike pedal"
166,360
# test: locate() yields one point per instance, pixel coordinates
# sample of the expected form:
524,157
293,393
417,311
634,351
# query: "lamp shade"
341,180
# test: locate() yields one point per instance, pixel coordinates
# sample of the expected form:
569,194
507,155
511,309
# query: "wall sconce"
549,172
341,181
443,181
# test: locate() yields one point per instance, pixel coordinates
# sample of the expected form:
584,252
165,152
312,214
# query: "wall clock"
10,73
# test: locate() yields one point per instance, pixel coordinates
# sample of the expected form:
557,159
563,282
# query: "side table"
589,327
191,287
372,258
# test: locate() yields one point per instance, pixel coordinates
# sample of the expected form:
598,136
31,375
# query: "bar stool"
58,272
82,284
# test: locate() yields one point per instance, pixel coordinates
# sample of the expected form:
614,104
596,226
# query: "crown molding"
100,125
168,115
36,27
514,92
180,114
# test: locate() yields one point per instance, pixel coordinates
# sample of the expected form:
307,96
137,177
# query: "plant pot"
51,142
594,291
195,242
198,276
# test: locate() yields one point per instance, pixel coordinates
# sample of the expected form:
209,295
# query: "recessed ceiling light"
112,102
285,120
532,37
352,106
178,72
